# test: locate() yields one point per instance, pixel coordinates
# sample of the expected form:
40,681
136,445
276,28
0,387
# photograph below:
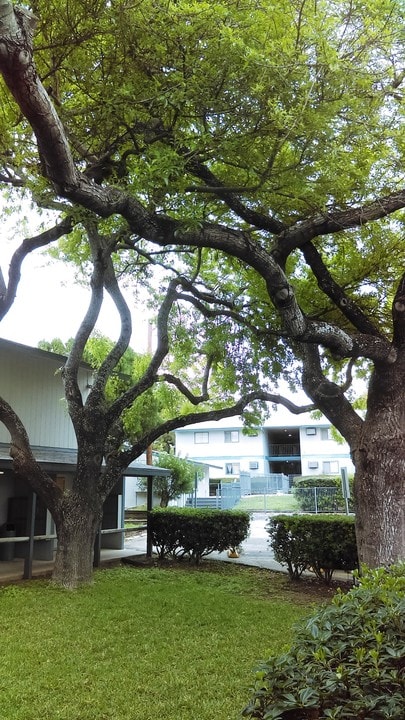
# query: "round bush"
347,660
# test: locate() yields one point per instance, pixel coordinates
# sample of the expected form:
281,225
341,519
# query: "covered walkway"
13,570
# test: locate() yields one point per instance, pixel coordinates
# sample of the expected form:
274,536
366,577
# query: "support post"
32,504
97,549
149,497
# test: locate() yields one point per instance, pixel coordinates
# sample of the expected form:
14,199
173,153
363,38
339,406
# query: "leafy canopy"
294,107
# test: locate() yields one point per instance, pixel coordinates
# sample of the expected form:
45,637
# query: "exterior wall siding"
31,382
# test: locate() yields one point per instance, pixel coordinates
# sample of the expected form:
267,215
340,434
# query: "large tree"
255,152
119,416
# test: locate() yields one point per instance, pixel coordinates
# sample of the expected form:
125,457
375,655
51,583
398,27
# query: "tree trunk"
164,500
76,527
380,470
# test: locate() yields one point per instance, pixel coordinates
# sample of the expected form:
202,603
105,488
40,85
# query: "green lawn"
142,643
271,503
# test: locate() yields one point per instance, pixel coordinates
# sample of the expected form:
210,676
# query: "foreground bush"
347,660
192,532
320,543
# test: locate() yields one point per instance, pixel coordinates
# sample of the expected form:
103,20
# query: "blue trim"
293,458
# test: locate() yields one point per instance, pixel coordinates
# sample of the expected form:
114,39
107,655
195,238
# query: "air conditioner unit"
253,465
313,464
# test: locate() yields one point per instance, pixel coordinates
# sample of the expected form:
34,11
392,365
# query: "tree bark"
380,469
76,526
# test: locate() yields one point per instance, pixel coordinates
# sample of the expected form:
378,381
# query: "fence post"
316,501
345,488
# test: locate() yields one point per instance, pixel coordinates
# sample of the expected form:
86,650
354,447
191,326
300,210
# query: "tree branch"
126,457
335,292
194,399
8,293
229,196
328,396
334,222
75,357
24,462
162,349
121,345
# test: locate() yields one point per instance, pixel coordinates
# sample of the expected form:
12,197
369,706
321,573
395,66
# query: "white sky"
49,303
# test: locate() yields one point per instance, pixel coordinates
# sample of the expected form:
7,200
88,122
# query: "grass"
271,503
150,643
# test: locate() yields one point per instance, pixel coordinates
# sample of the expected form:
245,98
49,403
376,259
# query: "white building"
30,381
286,443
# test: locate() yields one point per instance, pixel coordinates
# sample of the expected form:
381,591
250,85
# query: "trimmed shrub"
315,480
192,532
164,524
346,661
327,501
320,543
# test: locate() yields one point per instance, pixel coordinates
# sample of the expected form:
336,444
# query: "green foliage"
56,345
320,543
291,103
183,475
327,500
346,661
195,533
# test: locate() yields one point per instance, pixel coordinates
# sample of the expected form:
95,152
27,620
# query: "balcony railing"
284,450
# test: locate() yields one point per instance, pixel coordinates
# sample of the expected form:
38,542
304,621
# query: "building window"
310,431
331,467
201,437
232,468
326,434
231,436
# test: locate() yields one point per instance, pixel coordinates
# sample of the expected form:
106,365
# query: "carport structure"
27,533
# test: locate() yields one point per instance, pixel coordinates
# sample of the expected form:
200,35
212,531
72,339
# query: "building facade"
289,444
31,382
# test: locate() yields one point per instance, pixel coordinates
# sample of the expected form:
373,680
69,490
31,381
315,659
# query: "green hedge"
192,532
346,661
326,502
320,543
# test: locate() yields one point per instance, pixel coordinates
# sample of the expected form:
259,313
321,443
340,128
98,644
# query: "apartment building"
286,443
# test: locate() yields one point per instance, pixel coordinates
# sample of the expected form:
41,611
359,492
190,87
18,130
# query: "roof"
64,460
278,418
36,352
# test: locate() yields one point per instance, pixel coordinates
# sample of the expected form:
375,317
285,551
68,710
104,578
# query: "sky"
49,302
